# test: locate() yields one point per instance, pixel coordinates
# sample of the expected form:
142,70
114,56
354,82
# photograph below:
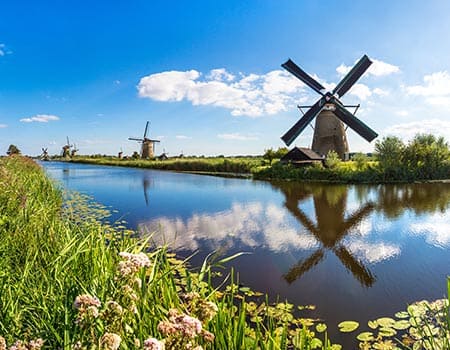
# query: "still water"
356,252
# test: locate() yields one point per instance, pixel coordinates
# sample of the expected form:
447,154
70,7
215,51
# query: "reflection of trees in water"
393,200
332,225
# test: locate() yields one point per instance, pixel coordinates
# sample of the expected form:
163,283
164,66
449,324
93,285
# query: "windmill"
331,226
330,112
66,148
74,150
148,145
44,155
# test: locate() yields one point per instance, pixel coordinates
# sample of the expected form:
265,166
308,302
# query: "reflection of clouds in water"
372,252
252,225
435,229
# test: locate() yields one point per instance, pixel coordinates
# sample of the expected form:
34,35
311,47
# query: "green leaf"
321,327
402,314
385,322
348,326
365,336
387,332
316,343
372,324
401,325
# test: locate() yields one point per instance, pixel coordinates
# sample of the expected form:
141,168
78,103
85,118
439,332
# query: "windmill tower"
330,112
120,154
66,149
74,151
148,145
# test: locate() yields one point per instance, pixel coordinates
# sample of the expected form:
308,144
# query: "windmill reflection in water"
332,226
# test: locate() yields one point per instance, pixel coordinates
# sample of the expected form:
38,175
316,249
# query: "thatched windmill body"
147,145
330,112
44,155
66,149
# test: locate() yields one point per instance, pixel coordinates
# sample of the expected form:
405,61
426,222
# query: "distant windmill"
148,145
74,151
330,112
66,148
120,154
44,154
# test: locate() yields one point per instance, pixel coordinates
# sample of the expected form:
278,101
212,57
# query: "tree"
389,152
12,149
270,155
425,154
281,152
360,160
332,160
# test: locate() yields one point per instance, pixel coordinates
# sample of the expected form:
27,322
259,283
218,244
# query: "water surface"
356,252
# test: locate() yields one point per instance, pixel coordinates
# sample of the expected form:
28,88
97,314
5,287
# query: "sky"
207,75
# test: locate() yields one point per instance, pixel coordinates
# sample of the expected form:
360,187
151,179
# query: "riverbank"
349,172
67,257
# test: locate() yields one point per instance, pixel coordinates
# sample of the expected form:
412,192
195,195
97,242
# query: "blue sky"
207,75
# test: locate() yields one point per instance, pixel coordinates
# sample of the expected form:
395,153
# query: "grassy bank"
68,281
215,165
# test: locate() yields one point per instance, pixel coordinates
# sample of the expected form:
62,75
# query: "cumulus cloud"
182,137
407,131
2,126
237,136
380,92
402,113
377,68
40,118
361,91
251,95
2,49
435,89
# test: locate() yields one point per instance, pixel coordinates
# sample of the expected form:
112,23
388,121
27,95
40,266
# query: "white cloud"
251,95
2,126
407,131
40,118
2,49
361,91
117,82
380,92
182,137
377,68
436,89
237,136
402,113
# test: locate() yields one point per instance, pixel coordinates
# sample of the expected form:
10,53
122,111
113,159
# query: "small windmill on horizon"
147,145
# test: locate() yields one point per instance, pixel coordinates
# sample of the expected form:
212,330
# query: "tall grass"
78,283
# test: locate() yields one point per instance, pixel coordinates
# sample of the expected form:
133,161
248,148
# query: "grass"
65,279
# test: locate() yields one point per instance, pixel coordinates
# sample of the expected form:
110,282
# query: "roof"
301,154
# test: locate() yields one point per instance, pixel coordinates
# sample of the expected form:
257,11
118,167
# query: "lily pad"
365,336
321,327
372,324
401,325
348,326
385,322
387,331
402,314
316,343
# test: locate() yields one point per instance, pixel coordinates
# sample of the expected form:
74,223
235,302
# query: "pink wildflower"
110,341
153,344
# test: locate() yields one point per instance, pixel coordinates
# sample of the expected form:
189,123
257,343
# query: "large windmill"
148,145
330,112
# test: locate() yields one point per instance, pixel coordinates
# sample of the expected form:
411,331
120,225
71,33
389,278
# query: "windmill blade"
146,129
135,139
303,266
304,220
361,273
355,73
303,122
357,125
295,70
